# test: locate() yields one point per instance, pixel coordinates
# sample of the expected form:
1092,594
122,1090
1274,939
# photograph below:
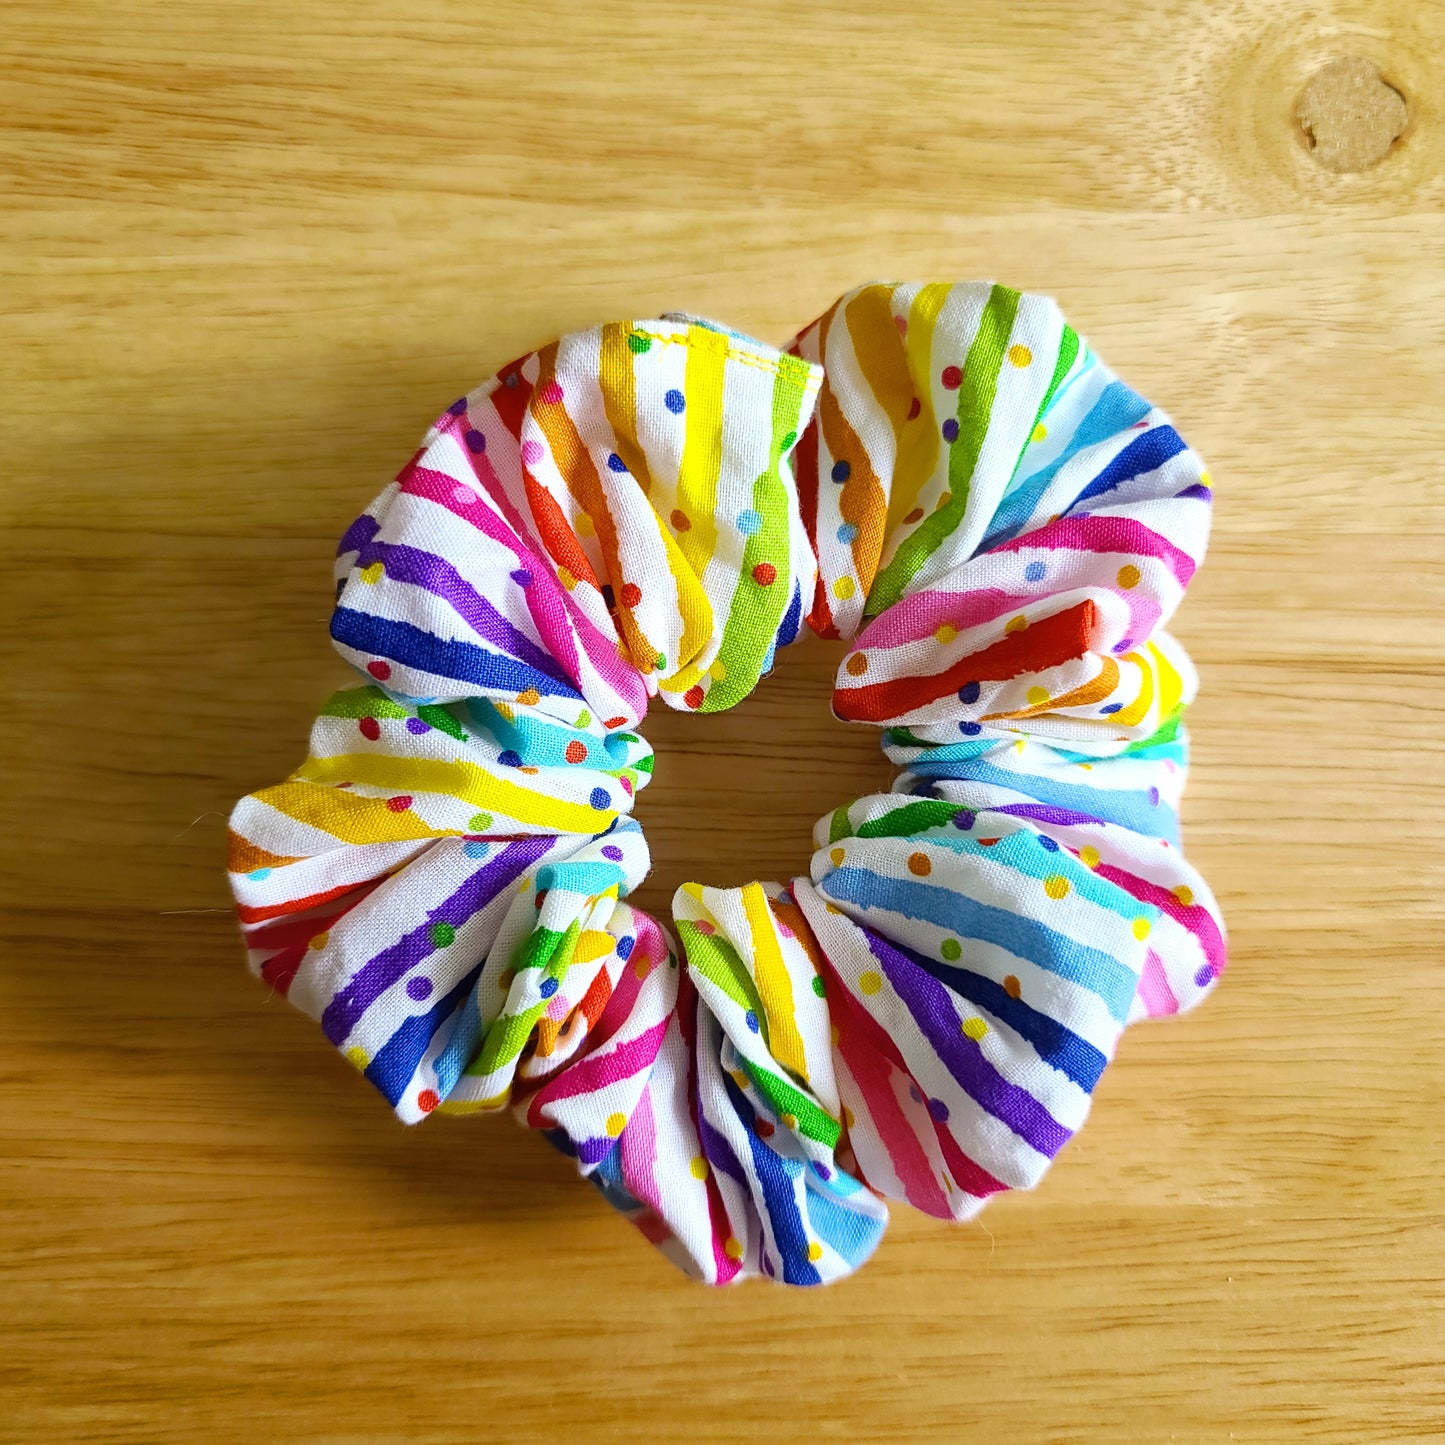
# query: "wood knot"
1350,115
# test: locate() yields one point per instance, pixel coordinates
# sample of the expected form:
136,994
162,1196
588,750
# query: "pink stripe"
1154,988
639,1153
600,1071
1195,918
1122,535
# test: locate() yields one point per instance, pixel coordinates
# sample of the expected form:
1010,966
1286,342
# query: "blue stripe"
1146,454
1026,938
461,661
394,1064
847,1232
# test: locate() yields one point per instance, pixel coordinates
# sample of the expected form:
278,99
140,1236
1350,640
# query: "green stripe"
912,818
439,718
757,610
718,962
839,825
975,411
363,702
505,1040
813,1122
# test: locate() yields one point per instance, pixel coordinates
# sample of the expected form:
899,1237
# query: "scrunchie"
945,476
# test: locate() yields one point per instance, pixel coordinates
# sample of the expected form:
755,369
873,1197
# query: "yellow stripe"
618,380
461,780
1139,708
1171,685
775,987
702,449
919,442
347,816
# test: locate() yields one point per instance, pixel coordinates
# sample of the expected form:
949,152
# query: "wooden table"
247,251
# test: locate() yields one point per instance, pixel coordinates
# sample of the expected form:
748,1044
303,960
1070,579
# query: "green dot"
479,822
638,342
950,949
788,440
818,986
661,662
584,718
442,935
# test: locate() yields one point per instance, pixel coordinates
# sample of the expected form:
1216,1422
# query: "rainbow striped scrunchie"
945,476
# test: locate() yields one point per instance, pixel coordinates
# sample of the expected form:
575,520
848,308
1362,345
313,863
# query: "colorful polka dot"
616,1123
765,574
1184,895
1056,886
1089,856
1034,572
733,1249
1016,624
968,693
945,633
819,987
1038,696
951,949
632,596
749,523
551,393
473,849
1011,986
952,378
841,471
427,1100
975,1028
531,452
370,728
920,864
844,588
400,803
836,857
1128,576
1141,928
600,798
1040,432
694,697
870,982
698,1168
576,752
847,534
950,430
442,935
1020,356
856,665
674,401
418,988
379,670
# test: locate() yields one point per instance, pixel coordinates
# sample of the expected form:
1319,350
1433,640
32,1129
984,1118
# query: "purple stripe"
932,1008
439,577
358,534
1042,813
378,974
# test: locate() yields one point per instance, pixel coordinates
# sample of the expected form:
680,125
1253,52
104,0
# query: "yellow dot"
585,525
870,982
698,1168
641,966
1089,856
1204,480
1019,745
505,710
837,856
733,1249
1020,355
832,908
1141,928
319,942
373,574
815,1251
1184,895
1040,432
616,1123
1016,624
943,500
1129,576
843,588
788,1121
566,578
1038,696
530,698
975,1028
718,671
848,1120
357,1055
920,864
836,1035
1056,886
505,978
946,633
857,665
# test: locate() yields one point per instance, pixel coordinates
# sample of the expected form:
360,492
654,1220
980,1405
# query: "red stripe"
1041,645
279,971
312,900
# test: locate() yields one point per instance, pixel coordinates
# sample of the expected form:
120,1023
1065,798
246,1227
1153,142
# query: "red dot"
370,728
765,1130
987,842
952,378
400,803
631,594
541,894
576,752
693,697
680,522
427,1100
379,670
765,574
914,408
916,515
615,722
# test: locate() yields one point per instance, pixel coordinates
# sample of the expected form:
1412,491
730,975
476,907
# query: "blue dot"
847,534
939,1110
615,463
969,692
1124,644
965,819
259,874
600,798
522,577
1047,843
970,729
509,758
475,440
1205,976
1034,572
914,1094
752,1020
612,853
609,596
823,1172
418,988
1153,797
749,523
1112,707
674,401
950,430
458,407
417,727
625,945
475,850
548,987
842,471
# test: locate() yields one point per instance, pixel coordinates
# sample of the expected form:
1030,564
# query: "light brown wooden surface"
248,250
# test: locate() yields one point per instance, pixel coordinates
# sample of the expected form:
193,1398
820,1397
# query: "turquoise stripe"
1026,938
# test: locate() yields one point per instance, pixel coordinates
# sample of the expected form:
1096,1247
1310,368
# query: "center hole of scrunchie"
734,795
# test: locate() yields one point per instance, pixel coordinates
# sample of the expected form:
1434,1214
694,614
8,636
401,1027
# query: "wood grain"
247,251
